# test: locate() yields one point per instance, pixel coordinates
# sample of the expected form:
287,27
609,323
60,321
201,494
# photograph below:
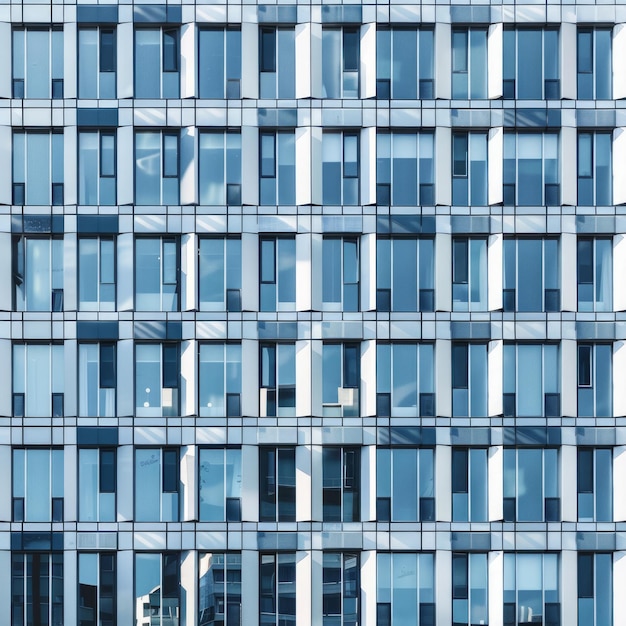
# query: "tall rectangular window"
277,66
97,62
157,274
97,170
595,589
341,470
157,587
157,62
405,385
277,589
405,63
277,379
340,168
219,588
156,167
277,281
595,274
96,273
469,63
341,377
469,589
220,481
340,273
594,169
595,380
469,380
469,169
469,485
340,589
277,484
595,484
405,274
157,484
97,588
97,483
38,62
405,168
340,62
531,64
219,168
219,62
405,484
38,167
220,274
219,380
157,379
97,379
531,275
469,274
277,167
594,64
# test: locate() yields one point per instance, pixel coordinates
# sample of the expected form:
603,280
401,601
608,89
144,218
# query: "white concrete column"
368,378
368,272
70,273
303,376
303,163
70,152
189,587
317,582
303,586
125,587
495,350
125,54
189,377
496,588
6,78
619,160
619,62
569,377
569,283
188,62
619,262
495,156
303,61
317,476
443,377
443,587
249,587
619,584
303,484
316,61
189,165
569,164
443,484
495,484
249,61
125,484
6,278
250,163
189,277
495,244
368,484
70,588
494,61
70,73
316,378
250,392
368,588
190,486
367,65
316,275
443,272
303,272
125,160
569,493
619,480
569,87
250,273
368,165
569,587
443,163
250,483
443,65
125,378
316,164
619,374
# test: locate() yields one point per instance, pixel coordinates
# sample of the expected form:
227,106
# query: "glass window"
341,375
405,589
469,485
219,62
96,484
340,168
277,281
38,380
97,61
405,385
531,169
97,379
220,485
277,167
531,64
156,167
531,375
405,168
157,274
469,169
531,589
157,61
531,485
219,588
595,178
469,274
595,75
595,589
277,379
469,380
469,63
96,273
38,167
157,588
157,379
157,484
469,589
595,380
38,62
340,273
277,62
405,63
97,588
340,62
595,274
340,589
531,275
341,469
595,484
220,167
38,273
220,380
220,274
277,484
405,274
277,589
96,167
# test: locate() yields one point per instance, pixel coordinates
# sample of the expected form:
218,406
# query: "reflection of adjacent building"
219,590
151,610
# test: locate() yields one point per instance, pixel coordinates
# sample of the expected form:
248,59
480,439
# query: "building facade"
312,314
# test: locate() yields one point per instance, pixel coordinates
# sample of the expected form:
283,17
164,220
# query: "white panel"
5,566
496,588
6,86
125,587
619,374
6,278
250,163
189,166
619,584
70,588
443,380
443,483
316,276
619,165
250,272
249,587
443,65
494,61
188,479
494,271
189,587
569,388
368,484
569,296
125,378
303,378
569,495
125,39
249,61
189,254
70,151
316,165
303,63
317,572
303,484
188,69
368,272
569,181
317,508
189,377
368,588
619,63
495,474
316,378
443,272
6,163
495,153
303,582
69,70
6,391
443,587
368,61
368,378
316,61
569,586
368,166
494,369
70,357
125,165
303,165
125,472
568,67
619,478
125,259
443,165
6,508
303,272
70,273
250,393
